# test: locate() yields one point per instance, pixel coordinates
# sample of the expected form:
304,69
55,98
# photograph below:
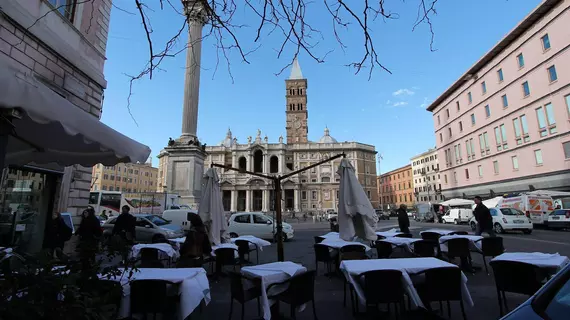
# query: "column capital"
195,11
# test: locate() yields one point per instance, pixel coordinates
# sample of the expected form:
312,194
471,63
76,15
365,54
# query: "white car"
258,225
507,219
457,216
559,219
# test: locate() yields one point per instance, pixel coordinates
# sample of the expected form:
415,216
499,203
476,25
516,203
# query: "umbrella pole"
5,129
279,218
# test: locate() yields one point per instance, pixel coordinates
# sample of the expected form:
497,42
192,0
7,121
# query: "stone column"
195,14
296,197
265,205
248,200
233,206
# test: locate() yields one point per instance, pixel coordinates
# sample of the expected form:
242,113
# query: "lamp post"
380,158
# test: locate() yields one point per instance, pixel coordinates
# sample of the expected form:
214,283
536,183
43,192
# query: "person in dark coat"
125,226
484,219
57,234
89,233
403,219
197,244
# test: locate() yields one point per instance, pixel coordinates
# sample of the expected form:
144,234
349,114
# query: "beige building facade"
311,191
125,177
426,177
395,187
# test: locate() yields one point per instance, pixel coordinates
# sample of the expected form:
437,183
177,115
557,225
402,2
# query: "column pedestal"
185,173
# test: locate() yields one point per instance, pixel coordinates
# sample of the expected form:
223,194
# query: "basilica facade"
314,190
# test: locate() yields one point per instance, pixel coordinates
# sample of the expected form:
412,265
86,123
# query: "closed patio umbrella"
211,208
356,216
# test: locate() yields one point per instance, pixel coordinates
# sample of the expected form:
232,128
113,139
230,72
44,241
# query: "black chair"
404,235
322,254
460,233
149,258
433,236
441,284
300,291
382,287
491,247
242,295
459,248
383,249
421,314
351,252
108,292
152,296
243,249
318,239
226,257
425,248
516,277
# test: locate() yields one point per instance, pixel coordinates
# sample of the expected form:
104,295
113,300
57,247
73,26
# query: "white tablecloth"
194,287
389,233
339,243
332,235
539,259
405,243
165,250
254,242
443,232
352,270
474,241
272,273
225,245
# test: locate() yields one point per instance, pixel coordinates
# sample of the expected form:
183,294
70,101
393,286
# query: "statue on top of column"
195,11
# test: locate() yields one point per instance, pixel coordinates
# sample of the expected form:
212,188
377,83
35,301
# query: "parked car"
149,228
331,214
507,219
552,301
258,225
457,216
382,215
559,219
179,217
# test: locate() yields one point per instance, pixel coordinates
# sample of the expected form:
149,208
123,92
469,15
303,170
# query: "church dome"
327,137
228,141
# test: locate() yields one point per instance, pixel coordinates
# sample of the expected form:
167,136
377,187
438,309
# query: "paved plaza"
329,291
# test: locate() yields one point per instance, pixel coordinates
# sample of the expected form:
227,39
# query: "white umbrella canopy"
356,216
457,202
211,208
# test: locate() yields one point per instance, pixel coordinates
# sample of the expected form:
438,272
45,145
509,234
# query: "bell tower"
296,107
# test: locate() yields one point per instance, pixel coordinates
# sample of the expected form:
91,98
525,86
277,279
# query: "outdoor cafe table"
474,241
272,273
254,242
389,233
179,241
443,232
164,249
339,243
352,269
404,243
331,235
550,262
193,287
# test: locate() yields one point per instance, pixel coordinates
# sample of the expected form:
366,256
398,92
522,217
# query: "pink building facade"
504,126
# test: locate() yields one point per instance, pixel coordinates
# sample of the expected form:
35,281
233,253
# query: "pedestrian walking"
123,234
57,234
483,216
403,219
196,246
89,233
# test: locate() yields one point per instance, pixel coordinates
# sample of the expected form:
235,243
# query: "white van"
457,216
256,224
535,207
179,217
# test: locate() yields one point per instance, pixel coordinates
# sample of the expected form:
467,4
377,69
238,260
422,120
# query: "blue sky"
387,111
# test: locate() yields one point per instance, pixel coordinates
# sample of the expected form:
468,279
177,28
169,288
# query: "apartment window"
526,89
545,42
487,111
480,171
498,139
496,167
440,137
483,87
438,120
314,195
445,178
524,126
568,104
65,7
472,119
466,173
552,76
500,75
449,130
460,126
566,147
520,60
447,113
468,148
456,147
469,97
458,107
304,195
504,136
454,176
538,157
543,121
515,161
505,101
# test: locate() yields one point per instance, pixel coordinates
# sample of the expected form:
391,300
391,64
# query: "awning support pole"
5,130
277,191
